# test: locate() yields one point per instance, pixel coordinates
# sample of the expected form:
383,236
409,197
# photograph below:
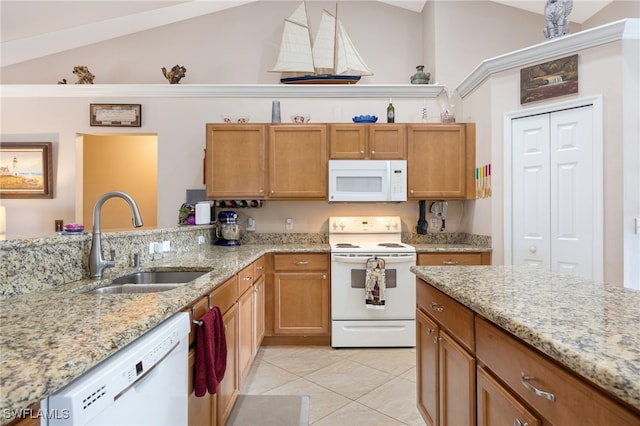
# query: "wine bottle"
391,113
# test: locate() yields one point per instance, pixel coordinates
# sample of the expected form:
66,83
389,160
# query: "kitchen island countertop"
589,327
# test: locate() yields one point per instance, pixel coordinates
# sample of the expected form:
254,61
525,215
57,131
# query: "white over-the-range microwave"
367,180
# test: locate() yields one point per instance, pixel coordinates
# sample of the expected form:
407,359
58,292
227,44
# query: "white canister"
203,213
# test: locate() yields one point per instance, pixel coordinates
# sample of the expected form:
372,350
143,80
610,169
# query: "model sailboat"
332,59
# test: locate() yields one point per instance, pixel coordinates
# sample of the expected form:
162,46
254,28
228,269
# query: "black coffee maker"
228,229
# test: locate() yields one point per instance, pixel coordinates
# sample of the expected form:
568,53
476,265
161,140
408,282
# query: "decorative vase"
420,77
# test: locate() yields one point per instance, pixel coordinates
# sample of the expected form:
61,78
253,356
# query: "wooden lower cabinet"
230,385
470,371
456,383
446,376
297,299
554,394
301,303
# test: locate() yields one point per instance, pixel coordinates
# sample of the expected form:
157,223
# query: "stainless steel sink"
134,288
149,281
159,277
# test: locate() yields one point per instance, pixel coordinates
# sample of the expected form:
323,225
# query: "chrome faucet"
97,264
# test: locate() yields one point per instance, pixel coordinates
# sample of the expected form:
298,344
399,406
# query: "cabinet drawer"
301,262
245,278
259,266
426,259
447,312
574,401
226,295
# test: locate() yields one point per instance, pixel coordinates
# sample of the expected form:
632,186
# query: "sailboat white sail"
332,58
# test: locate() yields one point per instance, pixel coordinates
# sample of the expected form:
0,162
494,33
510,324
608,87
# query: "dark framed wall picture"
549,80
115,115
25,170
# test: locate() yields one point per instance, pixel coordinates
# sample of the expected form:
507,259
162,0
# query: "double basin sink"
149,281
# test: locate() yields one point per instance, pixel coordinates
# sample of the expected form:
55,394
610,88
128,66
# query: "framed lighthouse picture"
25,170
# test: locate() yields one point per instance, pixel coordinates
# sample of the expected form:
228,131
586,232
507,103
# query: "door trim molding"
597,168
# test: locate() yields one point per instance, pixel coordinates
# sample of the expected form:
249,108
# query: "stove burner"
346,245
391,245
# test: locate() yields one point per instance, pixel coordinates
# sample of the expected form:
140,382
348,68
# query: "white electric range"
354,241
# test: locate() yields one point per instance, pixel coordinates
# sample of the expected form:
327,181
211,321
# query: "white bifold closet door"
553,197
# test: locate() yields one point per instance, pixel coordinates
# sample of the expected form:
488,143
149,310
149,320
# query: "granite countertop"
589,327
49,338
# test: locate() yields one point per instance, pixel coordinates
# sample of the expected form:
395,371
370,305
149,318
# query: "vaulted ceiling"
32,29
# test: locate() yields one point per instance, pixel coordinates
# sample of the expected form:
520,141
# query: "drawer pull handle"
535,390
248,278
449,262
436,307
429,330
517,422
302,262
259,268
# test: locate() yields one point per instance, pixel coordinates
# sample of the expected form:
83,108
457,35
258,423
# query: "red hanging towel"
211,353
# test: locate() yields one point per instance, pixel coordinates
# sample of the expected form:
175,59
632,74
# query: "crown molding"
618,30
420,91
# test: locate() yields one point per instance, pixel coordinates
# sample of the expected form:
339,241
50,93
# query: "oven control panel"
365,225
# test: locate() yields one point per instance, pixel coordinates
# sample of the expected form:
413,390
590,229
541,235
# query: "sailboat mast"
309,32
335,41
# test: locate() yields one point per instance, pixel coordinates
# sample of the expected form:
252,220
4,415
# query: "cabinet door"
235,161
230,385
427,367
201,410
298,165
301,304
258,313
497,407
441,161
387,142
457,383
347,141
245,333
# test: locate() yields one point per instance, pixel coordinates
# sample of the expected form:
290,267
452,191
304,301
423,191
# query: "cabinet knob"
429,330
324,276
373,152
248,278
261,191
411,191
362,151
437,339
517,422
533,249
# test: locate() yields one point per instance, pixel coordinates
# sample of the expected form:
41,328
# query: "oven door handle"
387,260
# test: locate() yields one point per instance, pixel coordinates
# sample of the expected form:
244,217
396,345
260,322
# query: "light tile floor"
347,387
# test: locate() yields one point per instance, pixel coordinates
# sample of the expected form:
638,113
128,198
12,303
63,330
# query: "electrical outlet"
288,224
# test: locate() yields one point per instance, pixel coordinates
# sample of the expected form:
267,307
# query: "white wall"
620,134
239,46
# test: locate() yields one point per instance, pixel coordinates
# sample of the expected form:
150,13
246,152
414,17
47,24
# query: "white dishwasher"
145,383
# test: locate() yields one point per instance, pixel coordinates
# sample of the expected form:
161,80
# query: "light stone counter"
50,337
591,328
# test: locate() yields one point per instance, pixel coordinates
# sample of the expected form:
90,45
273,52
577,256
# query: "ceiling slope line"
22,50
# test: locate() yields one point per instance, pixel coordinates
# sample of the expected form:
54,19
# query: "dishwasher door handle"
146,373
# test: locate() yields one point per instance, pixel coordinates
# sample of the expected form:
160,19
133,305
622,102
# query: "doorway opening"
118,162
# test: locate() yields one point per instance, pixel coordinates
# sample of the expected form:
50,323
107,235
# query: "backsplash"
43,263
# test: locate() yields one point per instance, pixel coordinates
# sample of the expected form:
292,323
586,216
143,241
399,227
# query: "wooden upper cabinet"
298,164
367,141
441,161
235,161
